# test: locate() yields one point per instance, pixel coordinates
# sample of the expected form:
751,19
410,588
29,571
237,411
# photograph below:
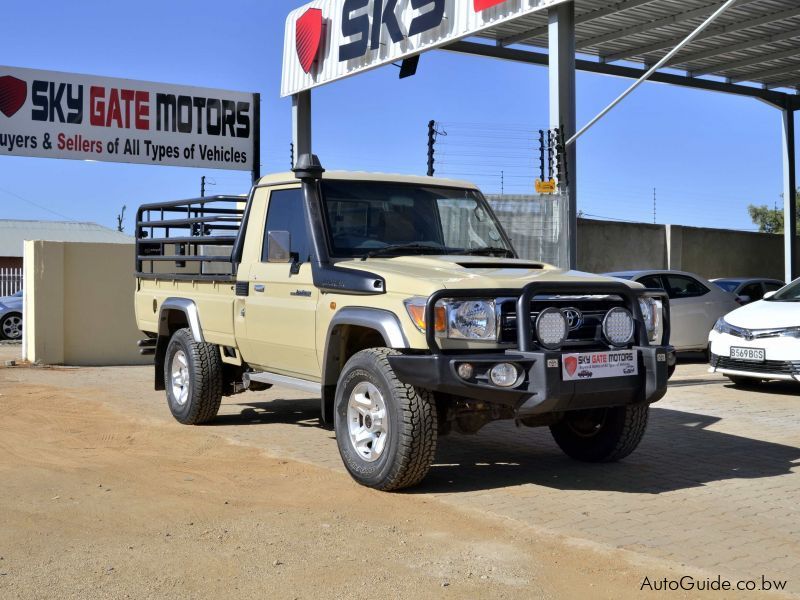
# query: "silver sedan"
11,317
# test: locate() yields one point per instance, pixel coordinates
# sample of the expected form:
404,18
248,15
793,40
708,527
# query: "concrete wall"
79,304
605,246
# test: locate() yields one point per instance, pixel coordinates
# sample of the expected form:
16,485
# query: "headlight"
458,319
653,314
551,328
722,326
618,326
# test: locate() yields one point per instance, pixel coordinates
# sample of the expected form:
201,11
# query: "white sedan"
760,341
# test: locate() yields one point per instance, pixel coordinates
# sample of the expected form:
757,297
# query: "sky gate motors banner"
83,117
330,39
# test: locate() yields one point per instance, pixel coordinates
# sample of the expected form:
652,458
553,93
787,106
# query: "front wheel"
193,377
386,430
601,434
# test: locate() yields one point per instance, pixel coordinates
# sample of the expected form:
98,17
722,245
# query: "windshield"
727,284
790,293
365,217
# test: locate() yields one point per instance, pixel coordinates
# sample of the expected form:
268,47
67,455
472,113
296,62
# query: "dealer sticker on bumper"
598,365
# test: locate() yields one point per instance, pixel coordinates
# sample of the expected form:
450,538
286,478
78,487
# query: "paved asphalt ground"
714,486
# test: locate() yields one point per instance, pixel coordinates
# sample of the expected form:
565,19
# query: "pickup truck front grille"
587,314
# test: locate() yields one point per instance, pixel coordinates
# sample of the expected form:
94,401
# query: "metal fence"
10,281
535,224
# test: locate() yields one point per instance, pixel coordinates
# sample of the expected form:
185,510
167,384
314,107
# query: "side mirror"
769,295
279,246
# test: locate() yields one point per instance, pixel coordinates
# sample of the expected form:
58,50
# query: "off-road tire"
205,379
618,434
411,440
745,382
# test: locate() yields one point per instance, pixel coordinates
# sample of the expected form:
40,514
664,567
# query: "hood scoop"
500,265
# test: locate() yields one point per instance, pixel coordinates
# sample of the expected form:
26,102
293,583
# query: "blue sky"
708,155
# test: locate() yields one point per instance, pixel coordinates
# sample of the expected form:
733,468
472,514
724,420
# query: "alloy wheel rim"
367,421
179,377
12,327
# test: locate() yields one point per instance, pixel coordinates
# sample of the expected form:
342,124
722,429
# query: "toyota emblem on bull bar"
574,318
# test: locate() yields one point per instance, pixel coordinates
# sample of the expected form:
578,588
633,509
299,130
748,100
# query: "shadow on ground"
678,452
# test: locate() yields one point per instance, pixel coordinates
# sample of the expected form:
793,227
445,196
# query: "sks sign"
331,39
62,115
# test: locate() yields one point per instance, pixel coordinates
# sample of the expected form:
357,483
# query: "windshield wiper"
490,250
397,247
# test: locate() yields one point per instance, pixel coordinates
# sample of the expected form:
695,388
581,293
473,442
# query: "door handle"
259,287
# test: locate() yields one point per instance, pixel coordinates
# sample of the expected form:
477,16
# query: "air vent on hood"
499,265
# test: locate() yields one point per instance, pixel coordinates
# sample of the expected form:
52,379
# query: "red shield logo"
484,4
13,92
308,35
571,364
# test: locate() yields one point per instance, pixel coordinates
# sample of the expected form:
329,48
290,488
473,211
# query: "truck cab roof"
289,177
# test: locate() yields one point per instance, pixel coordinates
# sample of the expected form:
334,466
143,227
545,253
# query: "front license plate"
752,354
598,365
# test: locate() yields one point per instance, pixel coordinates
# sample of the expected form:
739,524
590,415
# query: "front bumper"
782,357
541,389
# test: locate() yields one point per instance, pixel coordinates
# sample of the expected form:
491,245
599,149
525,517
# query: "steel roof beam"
786,83
703,11
611,9
746,62
590,66
712,32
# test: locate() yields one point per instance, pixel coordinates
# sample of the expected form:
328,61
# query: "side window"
680,286
769,286
286,213
752,291
652,281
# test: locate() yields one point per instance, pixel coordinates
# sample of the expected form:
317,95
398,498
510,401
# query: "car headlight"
618,326
474,319
722,326
653,315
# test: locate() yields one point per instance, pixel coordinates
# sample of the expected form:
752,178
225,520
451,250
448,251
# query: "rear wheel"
193,377
601,434
386,430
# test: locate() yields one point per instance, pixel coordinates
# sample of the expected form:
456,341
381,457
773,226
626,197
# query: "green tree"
770,220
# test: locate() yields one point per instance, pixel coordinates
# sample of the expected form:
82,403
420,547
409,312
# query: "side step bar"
282,380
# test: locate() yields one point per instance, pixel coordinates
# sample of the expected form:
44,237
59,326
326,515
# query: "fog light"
551,328
465,371
618,326
504,374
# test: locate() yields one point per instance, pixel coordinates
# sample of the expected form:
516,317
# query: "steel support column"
561,42
789,191
301,123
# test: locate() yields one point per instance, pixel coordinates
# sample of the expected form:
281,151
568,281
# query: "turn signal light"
417,314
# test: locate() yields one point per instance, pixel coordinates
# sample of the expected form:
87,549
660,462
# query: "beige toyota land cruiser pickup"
401,303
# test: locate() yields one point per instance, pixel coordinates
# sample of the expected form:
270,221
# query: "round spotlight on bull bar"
551,328
619,326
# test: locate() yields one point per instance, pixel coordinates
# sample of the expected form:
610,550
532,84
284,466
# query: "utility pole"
502,183
291,155
431,142
654,206
202,186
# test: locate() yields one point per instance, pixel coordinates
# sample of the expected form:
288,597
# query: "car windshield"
727,284
790,293
366,218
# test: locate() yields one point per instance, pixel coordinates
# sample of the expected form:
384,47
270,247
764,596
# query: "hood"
765,314
423,275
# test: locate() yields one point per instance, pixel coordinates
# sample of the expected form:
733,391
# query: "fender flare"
384,322
188,308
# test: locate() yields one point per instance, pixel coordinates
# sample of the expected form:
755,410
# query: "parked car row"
11,317
749,327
